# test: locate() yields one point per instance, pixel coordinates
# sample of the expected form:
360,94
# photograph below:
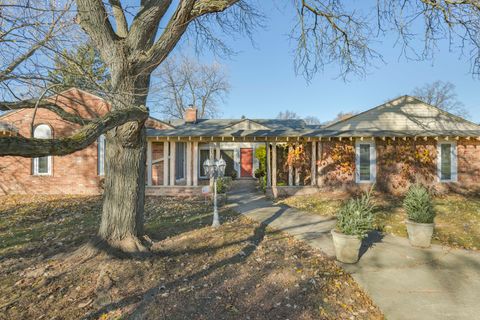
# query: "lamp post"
215,169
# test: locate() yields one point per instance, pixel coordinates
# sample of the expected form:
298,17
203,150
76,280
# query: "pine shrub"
356,216
418,204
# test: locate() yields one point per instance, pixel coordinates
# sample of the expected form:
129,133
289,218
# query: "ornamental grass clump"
418,204
356,216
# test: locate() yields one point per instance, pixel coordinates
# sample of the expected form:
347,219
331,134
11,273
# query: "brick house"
77,173
392,145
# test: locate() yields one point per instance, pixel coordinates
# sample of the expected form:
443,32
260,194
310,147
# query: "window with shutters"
447,161
365,161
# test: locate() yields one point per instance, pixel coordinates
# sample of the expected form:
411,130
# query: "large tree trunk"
124,196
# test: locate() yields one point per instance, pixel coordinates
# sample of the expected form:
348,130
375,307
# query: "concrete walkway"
405,282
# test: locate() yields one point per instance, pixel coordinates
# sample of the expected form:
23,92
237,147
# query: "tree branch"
120,19
44,104
93,18
145,24
30,148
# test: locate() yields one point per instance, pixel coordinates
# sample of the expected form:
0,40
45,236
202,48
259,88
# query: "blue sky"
264,82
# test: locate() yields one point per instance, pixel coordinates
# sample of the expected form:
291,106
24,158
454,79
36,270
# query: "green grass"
457,223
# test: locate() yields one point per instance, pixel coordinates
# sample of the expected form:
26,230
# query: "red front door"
246,162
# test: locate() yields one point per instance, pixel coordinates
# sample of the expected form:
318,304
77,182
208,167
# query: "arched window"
101,155
42,165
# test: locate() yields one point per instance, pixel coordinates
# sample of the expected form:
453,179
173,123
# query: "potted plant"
354,220
420,213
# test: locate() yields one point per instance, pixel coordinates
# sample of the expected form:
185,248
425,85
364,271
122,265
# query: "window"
204,155
42,165
101,155
180,163
365,162
447,161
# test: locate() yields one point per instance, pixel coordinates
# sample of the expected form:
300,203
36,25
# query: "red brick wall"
468,164
336,164
71,174
399,163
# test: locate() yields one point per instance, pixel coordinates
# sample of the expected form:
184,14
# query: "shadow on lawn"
149,295
47,228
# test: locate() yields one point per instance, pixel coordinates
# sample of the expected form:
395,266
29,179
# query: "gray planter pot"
347,247
420,234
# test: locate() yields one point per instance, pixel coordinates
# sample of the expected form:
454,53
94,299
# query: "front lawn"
457,223
240,270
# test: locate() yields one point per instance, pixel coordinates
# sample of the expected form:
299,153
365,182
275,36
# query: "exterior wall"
336,164
468,166
71,174
399,163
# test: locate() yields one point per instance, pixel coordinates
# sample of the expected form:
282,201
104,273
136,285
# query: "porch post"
189,163
195,163
149,163
173,159
314,164
269,176
211,156
217,150
297,175
319,158
165,163
274,164
290,168
274,169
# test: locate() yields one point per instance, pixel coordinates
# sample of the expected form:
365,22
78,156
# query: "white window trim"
101,156
203,147
373,161
454,161
35,167
49,158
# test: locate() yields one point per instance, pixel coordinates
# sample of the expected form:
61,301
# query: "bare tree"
27,32
287,114
442,95
187,82
341,116
311,120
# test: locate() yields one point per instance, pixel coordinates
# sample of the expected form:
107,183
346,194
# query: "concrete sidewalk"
405,282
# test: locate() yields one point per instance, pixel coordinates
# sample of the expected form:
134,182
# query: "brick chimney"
190,115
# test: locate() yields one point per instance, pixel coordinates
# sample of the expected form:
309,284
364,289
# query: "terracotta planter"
420,234
347,247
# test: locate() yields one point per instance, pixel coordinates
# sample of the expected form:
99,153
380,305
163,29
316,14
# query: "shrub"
261,155
263,183
418,204
223,184
233,174
259,172
356,217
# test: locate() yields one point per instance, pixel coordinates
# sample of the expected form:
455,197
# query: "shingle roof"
401,117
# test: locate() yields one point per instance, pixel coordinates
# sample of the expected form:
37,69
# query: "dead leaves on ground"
239,270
